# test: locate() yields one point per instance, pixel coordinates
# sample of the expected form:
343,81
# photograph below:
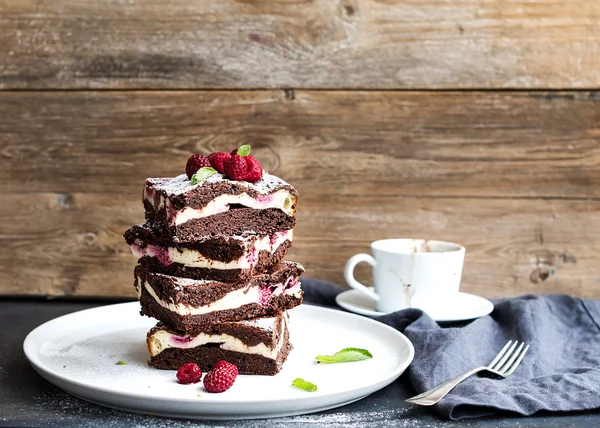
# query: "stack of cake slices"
211,271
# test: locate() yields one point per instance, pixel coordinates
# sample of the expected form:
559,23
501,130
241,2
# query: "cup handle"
349,274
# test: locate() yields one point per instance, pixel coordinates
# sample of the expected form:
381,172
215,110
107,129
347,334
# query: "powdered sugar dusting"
59,409
183,282
188,282
266,323
182,184
381,418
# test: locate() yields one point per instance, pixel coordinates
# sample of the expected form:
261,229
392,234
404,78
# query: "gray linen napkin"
561,371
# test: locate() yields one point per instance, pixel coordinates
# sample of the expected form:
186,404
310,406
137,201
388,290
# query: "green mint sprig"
121,363
346,355
244,150
202,174
305,385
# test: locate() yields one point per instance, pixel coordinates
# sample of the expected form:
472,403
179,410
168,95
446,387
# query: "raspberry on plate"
216,160
221,377
189,373
226,365
194,163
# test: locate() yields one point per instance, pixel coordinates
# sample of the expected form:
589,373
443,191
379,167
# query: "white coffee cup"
410,273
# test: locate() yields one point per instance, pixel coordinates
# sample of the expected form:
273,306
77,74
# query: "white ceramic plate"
463,307
78,353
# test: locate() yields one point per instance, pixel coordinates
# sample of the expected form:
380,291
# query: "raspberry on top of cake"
236,182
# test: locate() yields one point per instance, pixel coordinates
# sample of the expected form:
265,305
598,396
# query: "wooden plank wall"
477,122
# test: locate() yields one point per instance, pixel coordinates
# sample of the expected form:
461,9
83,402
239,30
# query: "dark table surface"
27,400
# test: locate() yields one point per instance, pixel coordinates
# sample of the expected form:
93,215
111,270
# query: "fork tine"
516,364
505,357
512,358
490,365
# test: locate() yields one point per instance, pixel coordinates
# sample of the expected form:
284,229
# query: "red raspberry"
194,163
236,167
220,379
225,365
255,171
234,152
216,160
189,373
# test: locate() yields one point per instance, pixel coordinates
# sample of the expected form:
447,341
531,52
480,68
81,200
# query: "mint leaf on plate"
202,174
244,150
346,355
305,385
121,363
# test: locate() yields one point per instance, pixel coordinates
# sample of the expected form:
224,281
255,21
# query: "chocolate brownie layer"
266,262
178,193
197,293
219,248
207,356
250,332
191,323
234,222
175,202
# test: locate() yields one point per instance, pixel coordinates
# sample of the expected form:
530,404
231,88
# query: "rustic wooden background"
472,121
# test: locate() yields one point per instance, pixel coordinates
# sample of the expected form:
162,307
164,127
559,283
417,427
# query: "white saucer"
78,353
464,307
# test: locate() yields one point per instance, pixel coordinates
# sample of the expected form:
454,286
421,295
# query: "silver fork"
499,366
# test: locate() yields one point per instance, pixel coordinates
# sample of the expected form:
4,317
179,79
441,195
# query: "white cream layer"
232,300
194,259
162,340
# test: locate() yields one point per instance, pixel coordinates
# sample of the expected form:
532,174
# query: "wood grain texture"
457,144
301,44
512,176
514,247
71,244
